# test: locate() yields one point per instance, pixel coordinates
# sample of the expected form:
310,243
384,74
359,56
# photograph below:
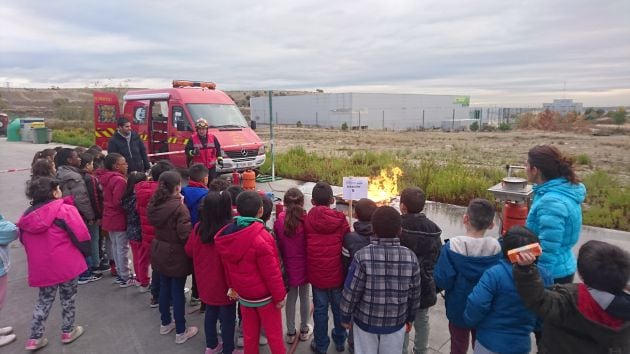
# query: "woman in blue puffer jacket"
556,212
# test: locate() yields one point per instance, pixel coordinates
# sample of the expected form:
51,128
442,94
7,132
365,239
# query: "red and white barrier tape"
166,153
15,170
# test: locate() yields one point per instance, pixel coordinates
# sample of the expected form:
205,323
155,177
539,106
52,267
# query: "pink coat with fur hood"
45,233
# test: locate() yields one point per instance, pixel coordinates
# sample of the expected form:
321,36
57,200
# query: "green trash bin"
40,135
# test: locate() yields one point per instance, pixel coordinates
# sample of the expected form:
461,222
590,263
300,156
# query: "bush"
344,126
74,136
505,127
583,159
474,126
299,124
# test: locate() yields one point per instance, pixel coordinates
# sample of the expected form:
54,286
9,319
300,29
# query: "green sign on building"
463,100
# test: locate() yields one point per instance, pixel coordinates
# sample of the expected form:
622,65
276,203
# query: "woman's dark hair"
551,163
61,159
111,160
267,205
168,182
44,154
41,189
86,158
134,178
42,168
517,236
294,206
604,266
214,213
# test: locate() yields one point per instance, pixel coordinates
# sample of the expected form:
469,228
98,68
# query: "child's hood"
325,220
472,267
39,218
193,195
576,192
107,177
160,215
232,246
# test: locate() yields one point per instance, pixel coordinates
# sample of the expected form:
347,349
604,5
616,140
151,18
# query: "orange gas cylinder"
249,180
513,214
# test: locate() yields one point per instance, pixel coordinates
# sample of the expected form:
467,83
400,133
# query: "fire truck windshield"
218,115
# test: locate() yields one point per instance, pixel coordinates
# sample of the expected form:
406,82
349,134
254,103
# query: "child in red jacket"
215,212
252,266
325,229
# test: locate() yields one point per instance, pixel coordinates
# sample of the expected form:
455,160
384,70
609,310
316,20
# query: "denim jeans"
226,316
421,325
94,260
172,290
155,284
322,298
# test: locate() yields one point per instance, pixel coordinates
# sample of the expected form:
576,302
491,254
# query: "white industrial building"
564,106
365,110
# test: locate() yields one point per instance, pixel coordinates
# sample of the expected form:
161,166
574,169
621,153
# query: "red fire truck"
164,119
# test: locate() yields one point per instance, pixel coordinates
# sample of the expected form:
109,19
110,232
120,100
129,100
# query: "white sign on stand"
355,188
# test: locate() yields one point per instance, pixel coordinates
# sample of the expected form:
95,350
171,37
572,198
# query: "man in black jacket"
128,143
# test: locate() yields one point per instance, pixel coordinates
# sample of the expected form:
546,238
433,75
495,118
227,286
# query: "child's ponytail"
167,185
294,206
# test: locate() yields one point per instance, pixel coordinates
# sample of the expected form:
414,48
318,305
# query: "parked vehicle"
165,120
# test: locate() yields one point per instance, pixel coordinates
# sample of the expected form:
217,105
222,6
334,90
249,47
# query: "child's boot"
70,337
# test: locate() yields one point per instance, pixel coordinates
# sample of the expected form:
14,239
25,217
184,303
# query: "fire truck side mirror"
252,124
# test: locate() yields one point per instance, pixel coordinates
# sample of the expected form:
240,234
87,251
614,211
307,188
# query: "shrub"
299,124
344,126
74,136
583,159
474,126
505,127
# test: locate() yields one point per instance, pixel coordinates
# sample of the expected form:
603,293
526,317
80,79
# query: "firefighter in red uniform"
204,148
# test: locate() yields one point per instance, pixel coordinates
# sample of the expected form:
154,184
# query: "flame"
384,186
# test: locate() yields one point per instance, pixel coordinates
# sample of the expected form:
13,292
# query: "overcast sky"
498,52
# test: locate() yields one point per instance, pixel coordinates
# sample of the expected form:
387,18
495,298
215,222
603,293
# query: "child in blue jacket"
494,307
461,263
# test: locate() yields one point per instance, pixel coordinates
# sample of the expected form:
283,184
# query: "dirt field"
609,153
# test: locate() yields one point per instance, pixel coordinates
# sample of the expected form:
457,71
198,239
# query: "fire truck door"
179,133
106,111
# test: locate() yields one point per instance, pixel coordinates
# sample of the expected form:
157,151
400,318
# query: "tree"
619,116
474,126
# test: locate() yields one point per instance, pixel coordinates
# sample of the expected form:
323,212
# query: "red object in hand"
279,208
533,248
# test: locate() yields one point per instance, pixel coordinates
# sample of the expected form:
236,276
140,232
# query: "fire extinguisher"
236,178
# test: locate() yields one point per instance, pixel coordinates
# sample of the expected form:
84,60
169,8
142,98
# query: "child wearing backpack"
55,239
252,265
289,231
422,236
325,229
495,309
462,261
215,212
141,258
193,194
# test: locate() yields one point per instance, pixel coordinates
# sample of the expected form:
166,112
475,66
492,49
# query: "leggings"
47,294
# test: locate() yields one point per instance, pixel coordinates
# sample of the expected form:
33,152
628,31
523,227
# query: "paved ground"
120,320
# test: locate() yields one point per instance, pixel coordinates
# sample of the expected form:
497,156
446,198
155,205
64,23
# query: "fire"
384,186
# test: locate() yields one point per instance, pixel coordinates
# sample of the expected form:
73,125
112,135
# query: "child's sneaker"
6,330
34,344
262,340
117,280
71,336
153,303
89,278
168,328
217,350
306,332
314,348
144,288
188,333
6,339
194,301
340,348
128,283
291,337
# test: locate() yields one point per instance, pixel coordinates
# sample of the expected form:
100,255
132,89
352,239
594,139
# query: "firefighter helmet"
201,123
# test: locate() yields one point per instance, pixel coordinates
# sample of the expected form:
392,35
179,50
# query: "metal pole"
453,119
359,120
423,119
383,119
317,119
273,156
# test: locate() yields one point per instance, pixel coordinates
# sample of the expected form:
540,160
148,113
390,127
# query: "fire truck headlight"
261,150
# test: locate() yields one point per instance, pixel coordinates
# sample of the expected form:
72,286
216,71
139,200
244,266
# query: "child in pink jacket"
56,242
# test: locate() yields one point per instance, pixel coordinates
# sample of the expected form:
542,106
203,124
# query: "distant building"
365,110
563,106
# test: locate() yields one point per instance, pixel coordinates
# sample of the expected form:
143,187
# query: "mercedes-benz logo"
244,152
